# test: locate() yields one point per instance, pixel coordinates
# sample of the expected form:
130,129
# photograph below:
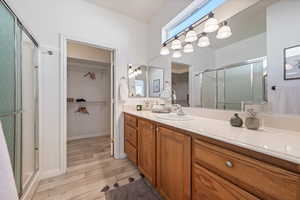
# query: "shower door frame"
27,190
63,96
248,62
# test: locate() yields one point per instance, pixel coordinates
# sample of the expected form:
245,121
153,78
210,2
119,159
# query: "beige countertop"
283,144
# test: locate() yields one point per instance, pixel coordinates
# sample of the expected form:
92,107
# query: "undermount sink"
174,117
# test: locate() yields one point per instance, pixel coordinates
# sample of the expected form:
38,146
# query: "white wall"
76,18
282,32
250,48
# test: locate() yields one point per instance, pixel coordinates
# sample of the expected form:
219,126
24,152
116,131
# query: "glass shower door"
29,105
19,97
209,89
9,111
238,86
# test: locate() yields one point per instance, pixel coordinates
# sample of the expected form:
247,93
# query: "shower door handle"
10,114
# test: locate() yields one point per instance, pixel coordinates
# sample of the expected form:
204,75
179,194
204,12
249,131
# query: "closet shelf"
87,102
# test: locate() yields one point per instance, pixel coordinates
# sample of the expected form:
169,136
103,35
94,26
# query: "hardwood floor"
90,168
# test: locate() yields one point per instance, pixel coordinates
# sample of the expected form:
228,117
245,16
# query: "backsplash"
287,122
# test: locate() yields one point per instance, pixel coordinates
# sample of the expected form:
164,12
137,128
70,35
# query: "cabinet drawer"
131,152
261,179
131,121
206,185
131,135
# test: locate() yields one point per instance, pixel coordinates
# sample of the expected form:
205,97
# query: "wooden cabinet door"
173,164
206,185
147,150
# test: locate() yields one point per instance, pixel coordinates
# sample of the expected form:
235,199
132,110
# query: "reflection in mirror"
137,81
180,84
292,63
229,73
156,81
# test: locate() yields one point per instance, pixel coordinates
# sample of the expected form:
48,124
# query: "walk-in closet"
89,110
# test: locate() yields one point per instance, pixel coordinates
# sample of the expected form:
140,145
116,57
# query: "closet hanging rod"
10,114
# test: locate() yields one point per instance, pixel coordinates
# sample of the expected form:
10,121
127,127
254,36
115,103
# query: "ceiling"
142,10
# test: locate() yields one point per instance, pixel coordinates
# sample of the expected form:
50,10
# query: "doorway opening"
89,110
180,84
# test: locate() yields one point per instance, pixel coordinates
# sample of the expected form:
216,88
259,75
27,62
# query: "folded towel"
123,90
8,190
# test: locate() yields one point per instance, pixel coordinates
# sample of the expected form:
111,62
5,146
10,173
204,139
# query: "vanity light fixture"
203,40
211,25
177,54
191,35
225,31
176,44
188,48
164,50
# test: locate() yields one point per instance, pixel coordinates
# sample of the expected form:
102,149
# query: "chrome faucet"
178,109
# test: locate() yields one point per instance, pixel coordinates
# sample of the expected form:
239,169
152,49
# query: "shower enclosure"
230,87
19,96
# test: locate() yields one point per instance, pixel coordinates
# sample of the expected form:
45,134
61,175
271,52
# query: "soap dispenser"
252,122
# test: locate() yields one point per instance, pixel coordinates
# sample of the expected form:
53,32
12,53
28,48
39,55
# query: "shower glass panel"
19,96
7,77
209,89
259,72
29,61
227,88
238,86
221,89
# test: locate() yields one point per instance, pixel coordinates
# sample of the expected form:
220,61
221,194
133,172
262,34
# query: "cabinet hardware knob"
229,164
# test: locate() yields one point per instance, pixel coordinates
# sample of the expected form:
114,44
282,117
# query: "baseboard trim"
122,156
30,191
50,173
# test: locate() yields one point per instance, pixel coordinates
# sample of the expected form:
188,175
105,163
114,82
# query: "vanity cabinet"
130,137
187,166
147,149
206,185
263,180
173,164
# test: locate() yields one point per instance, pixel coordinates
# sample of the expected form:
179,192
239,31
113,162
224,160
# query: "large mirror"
254,63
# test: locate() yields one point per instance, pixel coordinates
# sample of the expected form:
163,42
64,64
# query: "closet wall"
97,95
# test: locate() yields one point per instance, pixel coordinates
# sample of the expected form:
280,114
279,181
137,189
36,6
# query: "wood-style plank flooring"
90,168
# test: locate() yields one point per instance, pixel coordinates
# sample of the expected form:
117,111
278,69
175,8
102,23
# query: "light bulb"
224,32
164,50
211,25
188,48
139,70
135,73
203,41
177,54
176,44
191,36
130,70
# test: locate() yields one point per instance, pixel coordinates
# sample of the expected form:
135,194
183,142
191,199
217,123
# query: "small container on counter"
236,121
139,107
